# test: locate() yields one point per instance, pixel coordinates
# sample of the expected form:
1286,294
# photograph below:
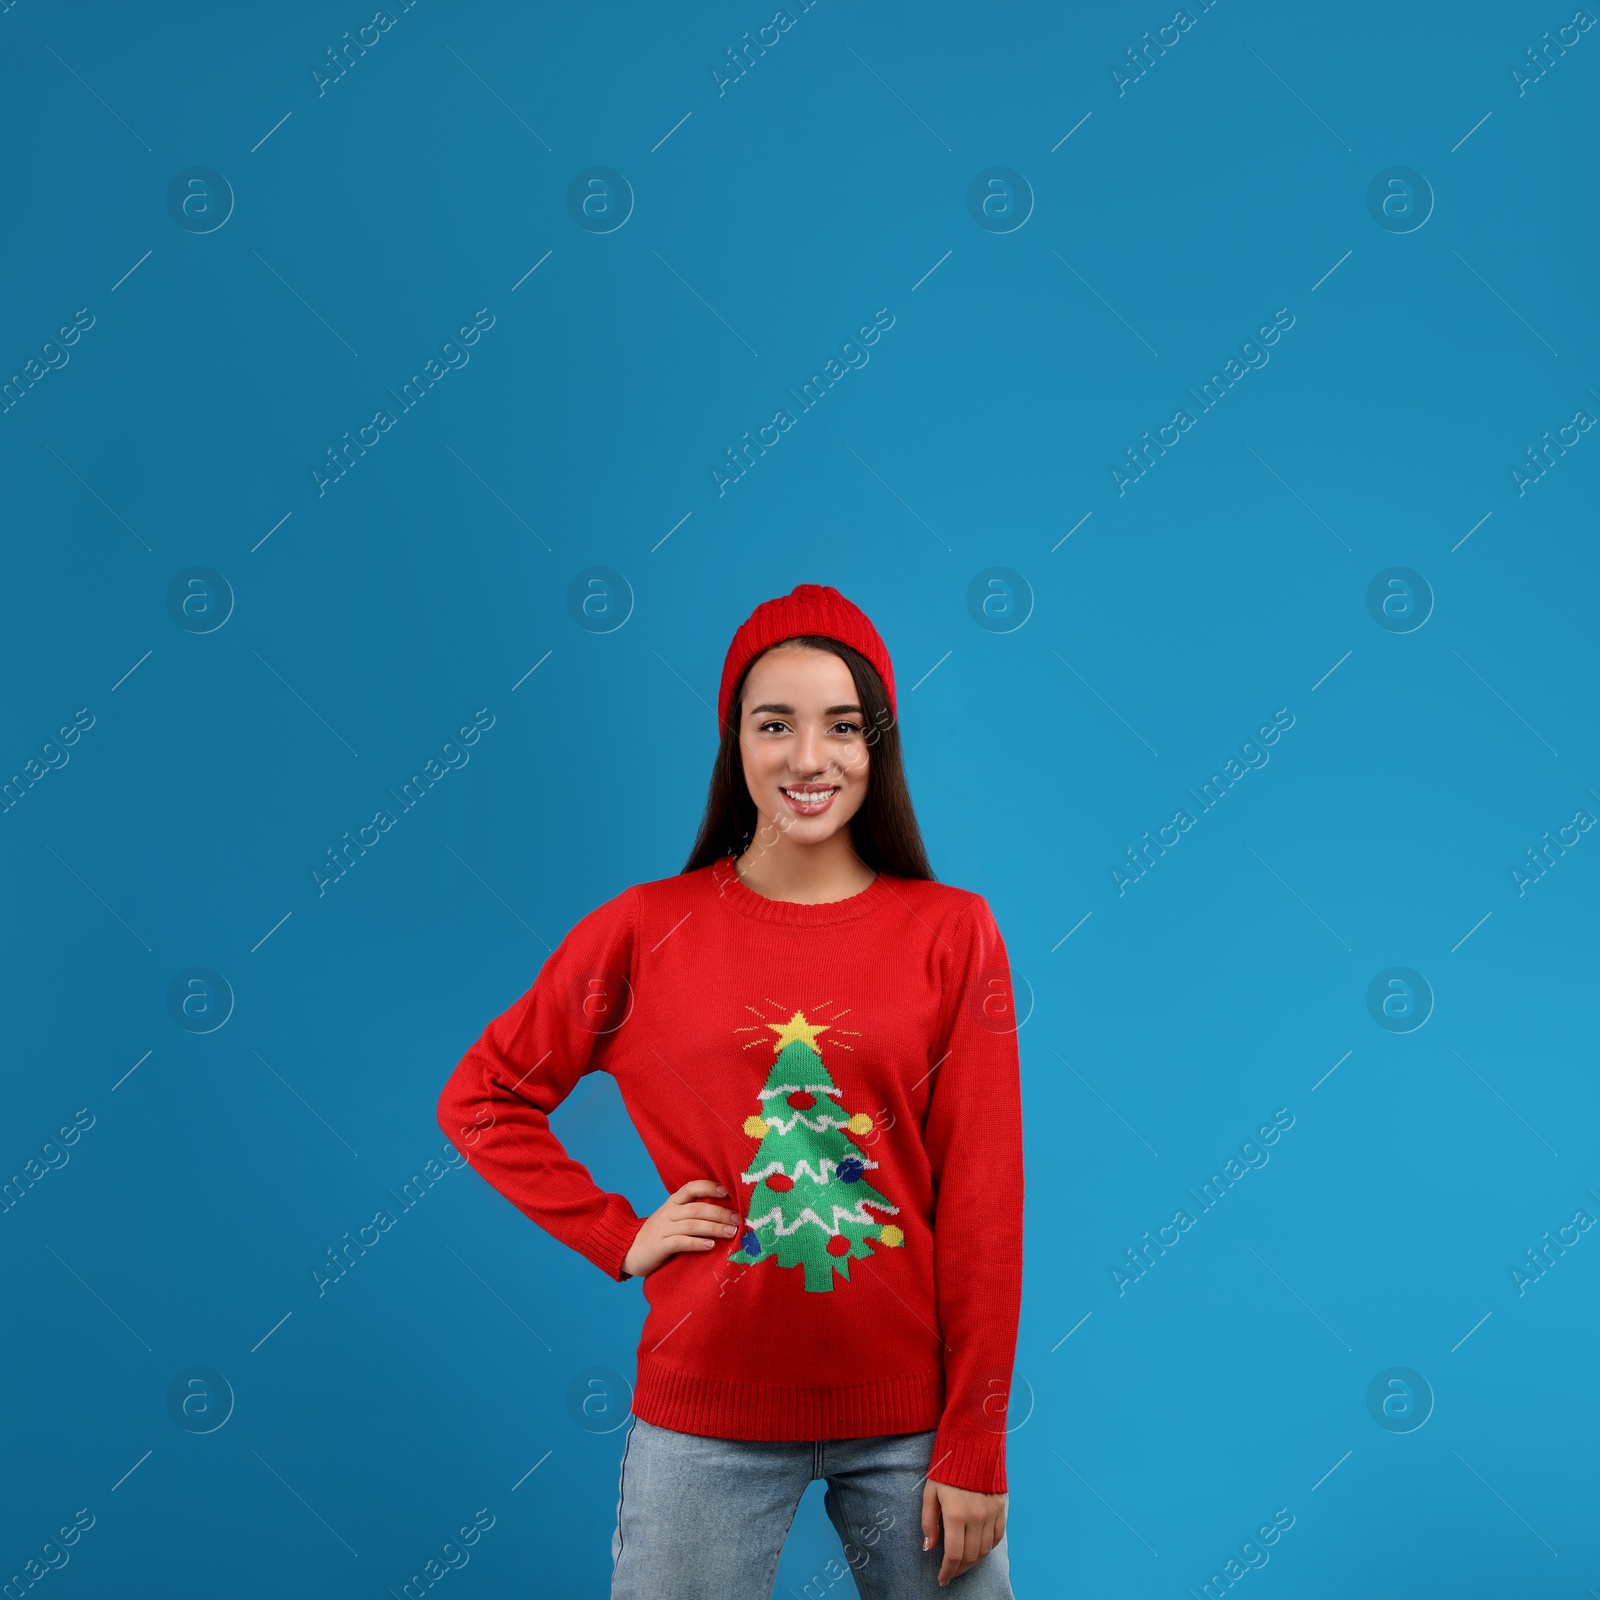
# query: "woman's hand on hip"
974,1524
684,1222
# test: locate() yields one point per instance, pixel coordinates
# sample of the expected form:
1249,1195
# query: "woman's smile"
809,799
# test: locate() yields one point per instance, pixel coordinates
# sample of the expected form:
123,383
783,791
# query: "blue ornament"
750,1244
850,1169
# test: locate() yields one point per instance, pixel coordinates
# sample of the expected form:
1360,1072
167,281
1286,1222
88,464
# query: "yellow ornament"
755,1127
891,1235
860,1123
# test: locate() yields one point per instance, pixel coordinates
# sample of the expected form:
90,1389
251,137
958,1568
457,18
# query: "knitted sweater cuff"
967,1461
608,1242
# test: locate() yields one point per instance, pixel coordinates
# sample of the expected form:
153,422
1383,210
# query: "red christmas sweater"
849,1073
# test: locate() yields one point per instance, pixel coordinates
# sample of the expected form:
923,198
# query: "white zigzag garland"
755,1175
775,1216
816,1124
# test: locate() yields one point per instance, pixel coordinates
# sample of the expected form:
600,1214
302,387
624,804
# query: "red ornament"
780,1183
838,1245
802,1101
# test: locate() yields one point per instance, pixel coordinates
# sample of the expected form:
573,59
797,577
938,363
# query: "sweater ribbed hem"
720,1409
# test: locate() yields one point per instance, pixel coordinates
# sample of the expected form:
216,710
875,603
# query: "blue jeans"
705,1519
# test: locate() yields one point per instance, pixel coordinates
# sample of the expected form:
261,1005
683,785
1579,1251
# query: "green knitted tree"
808,1206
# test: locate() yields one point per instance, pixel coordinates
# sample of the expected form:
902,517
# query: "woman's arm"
496,1105
974,1141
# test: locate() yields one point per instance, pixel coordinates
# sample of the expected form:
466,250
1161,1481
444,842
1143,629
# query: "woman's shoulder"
948,899
652,898
674,886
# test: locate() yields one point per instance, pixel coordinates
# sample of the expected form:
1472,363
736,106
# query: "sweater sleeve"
974,1140
496,1105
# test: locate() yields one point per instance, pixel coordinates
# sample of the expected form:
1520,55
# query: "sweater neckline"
737,894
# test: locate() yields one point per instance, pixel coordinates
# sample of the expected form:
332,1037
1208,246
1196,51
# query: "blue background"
1136,639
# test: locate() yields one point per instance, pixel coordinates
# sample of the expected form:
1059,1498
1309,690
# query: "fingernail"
720,1189
927,1543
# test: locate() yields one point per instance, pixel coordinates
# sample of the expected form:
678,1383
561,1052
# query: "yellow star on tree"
796,1028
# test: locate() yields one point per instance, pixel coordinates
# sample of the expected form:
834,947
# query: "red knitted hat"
807,608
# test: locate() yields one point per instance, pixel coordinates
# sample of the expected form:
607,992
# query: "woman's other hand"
684,1222
973,1525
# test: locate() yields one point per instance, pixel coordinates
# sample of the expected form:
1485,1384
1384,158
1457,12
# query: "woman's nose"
808,757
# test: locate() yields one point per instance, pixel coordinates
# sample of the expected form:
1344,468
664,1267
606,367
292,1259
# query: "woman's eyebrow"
788,711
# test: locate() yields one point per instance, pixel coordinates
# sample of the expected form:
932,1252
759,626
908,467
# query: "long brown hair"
884,829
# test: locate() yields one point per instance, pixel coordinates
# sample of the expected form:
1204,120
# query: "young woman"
816,1042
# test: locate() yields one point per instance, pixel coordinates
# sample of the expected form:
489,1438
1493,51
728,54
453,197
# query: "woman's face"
802,737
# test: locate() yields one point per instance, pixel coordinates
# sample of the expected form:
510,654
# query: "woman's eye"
849,727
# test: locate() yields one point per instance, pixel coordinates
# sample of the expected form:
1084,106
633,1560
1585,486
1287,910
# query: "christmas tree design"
808,1207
